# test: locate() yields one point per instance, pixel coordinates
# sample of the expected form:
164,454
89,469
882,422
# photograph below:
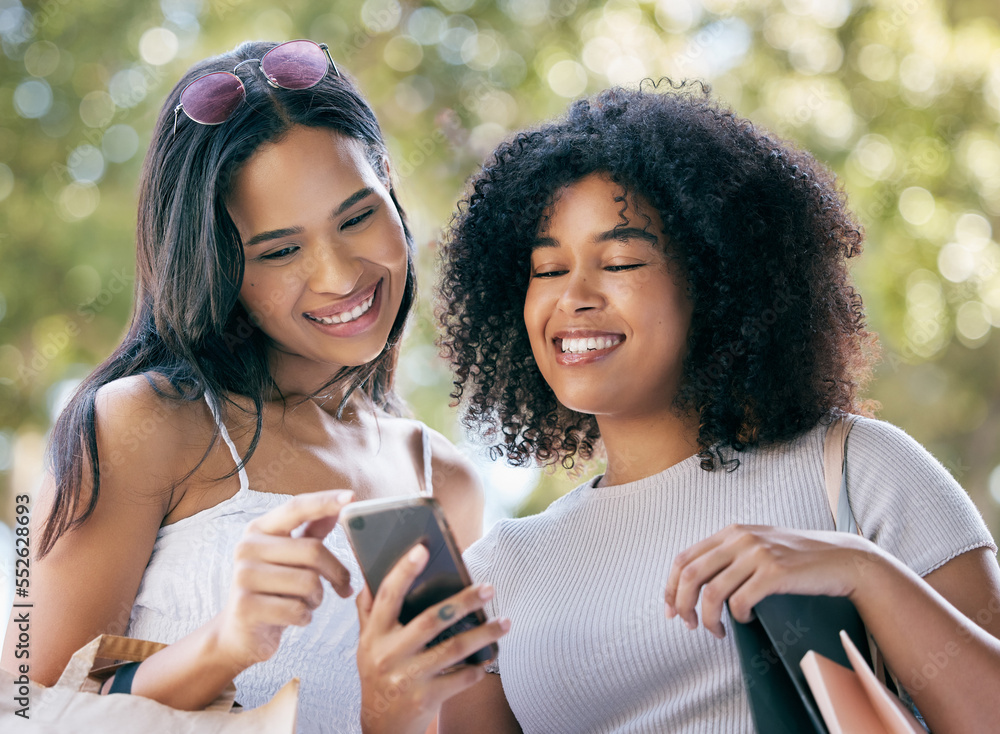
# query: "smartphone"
383,531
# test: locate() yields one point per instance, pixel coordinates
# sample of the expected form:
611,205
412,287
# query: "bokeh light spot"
120,143
678,16
924,323
128,87
78,201
972,323
567,78
826,13
816,54
426,25
916,204
917,72
457,6
526,12
485,137
97,109
381,16
86,163
481,51
181,12
33,98
598,53
874,156
995,484
877,62
158,46
403,53
973,230
41,58
956,262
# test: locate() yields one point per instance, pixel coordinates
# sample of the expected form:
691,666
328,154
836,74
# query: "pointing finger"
303,508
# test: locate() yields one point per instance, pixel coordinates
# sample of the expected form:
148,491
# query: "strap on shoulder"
240,468
425,440
835,472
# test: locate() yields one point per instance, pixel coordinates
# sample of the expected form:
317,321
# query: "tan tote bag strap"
833,460
835,475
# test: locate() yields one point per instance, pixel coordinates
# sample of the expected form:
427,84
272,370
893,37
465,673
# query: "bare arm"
940,636
482,709
276,583
925,628
403,684
458,489
87,584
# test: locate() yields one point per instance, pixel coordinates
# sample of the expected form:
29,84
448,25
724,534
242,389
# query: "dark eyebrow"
352,200
618,233
543,242
627,233
275,234
272,234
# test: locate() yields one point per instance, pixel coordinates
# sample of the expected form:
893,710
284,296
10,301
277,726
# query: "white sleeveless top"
186,583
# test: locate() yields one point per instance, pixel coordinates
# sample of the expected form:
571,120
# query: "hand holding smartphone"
381,532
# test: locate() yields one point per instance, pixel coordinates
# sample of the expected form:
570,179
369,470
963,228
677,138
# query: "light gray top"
590,649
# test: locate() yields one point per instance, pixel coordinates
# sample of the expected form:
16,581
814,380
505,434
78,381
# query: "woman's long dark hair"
188,327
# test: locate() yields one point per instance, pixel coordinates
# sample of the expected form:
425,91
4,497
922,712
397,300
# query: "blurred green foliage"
900,97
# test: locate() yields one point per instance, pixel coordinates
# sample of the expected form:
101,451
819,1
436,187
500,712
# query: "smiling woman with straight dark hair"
191,498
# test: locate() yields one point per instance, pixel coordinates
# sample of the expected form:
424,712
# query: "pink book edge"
841,698
894,716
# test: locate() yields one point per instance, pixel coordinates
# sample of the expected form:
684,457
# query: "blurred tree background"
900,97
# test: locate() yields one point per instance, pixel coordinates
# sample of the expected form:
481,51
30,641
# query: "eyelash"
609,268
280,254
358,219
286,251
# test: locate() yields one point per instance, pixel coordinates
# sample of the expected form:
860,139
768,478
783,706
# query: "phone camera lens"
357,523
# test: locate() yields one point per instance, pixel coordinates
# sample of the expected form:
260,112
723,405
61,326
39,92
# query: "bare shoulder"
98,560
451,466
458,488
143,427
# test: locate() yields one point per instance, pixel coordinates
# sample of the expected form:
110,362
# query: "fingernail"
486,592
671,612
416,553
690,625
345,497
505,624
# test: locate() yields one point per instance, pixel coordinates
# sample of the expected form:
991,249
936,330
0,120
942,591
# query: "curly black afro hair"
759,230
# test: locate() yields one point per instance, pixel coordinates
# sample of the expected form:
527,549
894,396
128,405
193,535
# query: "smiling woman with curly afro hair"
759,230
654,278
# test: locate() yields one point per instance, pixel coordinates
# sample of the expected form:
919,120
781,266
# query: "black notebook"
786,627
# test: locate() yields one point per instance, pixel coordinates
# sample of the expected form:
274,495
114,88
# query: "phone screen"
381,532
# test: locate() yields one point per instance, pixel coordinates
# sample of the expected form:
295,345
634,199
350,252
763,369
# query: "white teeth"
346,316
589,344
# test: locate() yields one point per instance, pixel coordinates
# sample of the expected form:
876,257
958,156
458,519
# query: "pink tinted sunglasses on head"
211,99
